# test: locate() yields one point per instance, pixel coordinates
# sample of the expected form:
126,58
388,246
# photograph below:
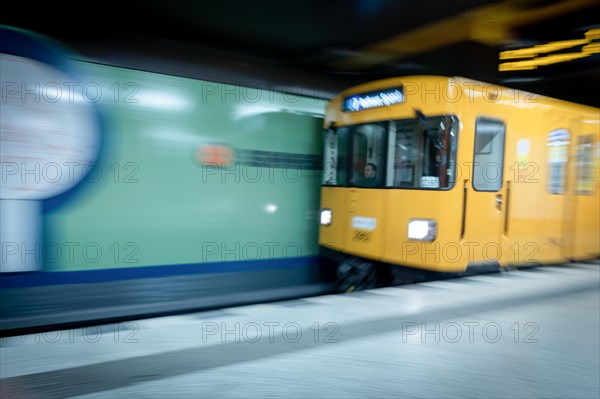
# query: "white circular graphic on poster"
49,133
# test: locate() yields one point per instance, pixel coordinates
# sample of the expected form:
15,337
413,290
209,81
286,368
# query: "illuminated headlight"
422,229
326,216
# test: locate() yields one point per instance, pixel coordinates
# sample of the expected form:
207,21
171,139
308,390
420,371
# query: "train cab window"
424,152
368,155
488,159
334,157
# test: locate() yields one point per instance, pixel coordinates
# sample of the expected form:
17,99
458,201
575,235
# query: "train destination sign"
373,99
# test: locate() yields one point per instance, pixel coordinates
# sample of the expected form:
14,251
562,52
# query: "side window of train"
488,158
588,153
558,155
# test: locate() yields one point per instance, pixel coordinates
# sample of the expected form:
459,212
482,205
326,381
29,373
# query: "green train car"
147,193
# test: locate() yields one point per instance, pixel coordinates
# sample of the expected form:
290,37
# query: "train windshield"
409,153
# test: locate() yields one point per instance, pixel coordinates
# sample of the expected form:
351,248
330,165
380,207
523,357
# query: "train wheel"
355,275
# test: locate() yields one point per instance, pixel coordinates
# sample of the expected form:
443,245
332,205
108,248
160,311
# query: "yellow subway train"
452,175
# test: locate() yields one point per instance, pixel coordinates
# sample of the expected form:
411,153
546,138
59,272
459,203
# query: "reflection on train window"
368,154
425,152
334,157
488,159
587,158
558,155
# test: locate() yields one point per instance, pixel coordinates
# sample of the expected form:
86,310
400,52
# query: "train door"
558,215
484,198
586,237
366,210
579,234
569,213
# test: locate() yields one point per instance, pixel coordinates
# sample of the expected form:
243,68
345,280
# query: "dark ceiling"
321,47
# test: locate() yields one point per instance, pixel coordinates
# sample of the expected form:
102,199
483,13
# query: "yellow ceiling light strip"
541,48
591,48
542,61
588,49
593,34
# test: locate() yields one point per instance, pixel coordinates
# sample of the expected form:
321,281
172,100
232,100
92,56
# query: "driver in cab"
370,176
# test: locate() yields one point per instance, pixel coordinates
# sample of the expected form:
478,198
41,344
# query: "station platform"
532,333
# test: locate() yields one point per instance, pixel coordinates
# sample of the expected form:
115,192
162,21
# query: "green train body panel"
150,200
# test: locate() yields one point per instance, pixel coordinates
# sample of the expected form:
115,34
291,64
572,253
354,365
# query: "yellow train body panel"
467,174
